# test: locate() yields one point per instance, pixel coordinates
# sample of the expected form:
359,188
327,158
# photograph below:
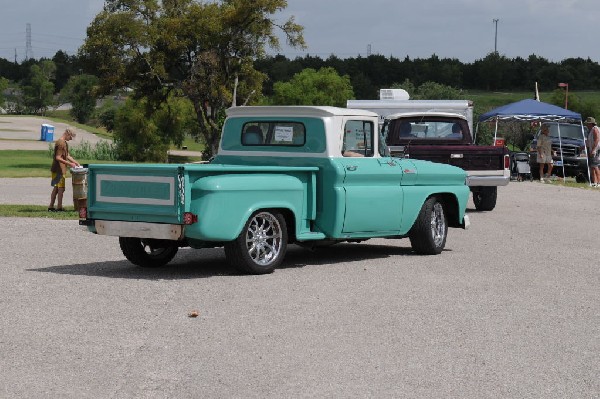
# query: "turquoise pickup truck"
307,175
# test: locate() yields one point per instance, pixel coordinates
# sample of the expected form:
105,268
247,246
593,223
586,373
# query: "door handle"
351,168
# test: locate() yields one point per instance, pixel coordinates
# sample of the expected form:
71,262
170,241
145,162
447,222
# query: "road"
511,309
24,133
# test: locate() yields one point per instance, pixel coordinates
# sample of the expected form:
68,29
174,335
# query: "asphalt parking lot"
511,309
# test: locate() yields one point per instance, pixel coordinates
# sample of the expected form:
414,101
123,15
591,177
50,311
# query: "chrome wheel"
438,224
264,238
261,245
428,233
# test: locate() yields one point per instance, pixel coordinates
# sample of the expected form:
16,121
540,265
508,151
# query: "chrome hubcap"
263,238
438,224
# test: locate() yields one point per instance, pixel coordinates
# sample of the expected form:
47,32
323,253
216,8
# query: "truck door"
371,184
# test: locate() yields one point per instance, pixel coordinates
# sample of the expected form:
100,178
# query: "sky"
461,29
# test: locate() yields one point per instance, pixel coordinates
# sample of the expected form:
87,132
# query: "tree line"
369,74
493,72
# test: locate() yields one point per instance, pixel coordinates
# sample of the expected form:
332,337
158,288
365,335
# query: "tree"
428,91
137,137
80,91
39,90
3,86
142,139
107,113
203,51
436,91
310,87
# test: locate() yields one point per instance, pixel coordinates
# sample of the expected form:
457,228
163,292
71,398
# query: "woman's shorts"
595,160
544,158
58,180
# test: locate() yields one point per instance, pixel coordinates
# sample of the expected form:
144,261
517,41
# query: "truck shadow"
205,263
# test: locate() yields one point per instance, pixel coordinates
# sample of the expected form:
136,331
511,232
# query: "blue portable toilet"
49,133
43,132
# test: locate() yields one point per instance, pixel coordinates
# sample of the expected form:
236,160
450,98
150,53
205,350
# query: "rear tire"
485,198
428,234
581,178
147,252
261,246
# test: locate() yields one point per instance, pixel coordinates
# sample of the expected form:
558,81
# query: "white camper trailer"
394,101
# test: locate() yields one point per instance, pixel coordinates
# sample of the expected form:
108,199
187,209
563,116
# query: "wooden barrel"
79,181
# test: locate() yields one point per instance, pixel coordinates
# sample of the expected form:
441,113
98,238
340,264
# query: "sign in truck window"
277,133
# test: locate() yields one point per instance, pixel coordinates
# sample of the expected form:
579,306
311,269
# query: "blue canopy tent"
533,111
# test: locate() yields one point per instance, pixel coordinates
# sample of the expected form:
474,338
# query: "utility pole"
495,21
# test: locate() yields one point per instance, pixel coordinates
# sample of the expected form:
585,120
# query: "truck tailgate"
467,157
136,193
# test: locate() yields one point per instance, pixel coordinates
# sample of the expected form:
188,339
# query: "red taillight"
82,213
506,162
189,218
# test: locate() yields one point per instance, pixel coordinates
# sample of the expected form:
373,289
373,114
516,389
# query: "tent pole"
495,132
562,161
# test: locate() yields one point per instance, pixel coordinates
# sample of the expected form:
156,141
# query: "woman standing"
593,146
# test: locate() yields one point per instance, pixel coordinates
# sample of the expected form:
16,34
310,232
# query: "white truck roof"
296,110
426,114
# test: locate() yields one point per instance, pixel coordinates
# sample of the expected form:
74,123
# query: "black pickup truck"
568,151
446,138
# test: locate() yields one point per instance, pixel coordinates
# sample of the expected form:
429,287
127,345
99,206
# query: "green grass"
24,163
191,145
36,211
568,182
19,163
483,101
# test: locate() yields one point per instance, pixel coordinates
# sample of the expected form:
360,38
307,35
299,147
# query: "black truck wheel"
428,234
484,198
261,245
147,252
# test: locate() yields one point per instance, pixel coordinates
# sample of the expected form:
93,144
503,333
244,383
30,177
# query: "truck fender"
417,195
227,201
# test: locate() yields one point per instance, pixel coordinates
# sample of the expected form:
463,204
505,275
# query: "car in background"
568,151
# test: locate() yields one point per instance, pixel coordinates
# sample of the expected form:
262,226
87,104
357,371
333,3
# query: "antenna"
28,50
368,50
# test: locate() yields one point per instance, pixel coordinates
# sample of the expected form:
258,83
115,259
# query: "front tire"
485,198
147,252
261,246
428,234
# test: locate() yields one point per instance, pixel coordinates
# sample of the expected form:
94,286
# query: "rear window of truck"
273,133
424,129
